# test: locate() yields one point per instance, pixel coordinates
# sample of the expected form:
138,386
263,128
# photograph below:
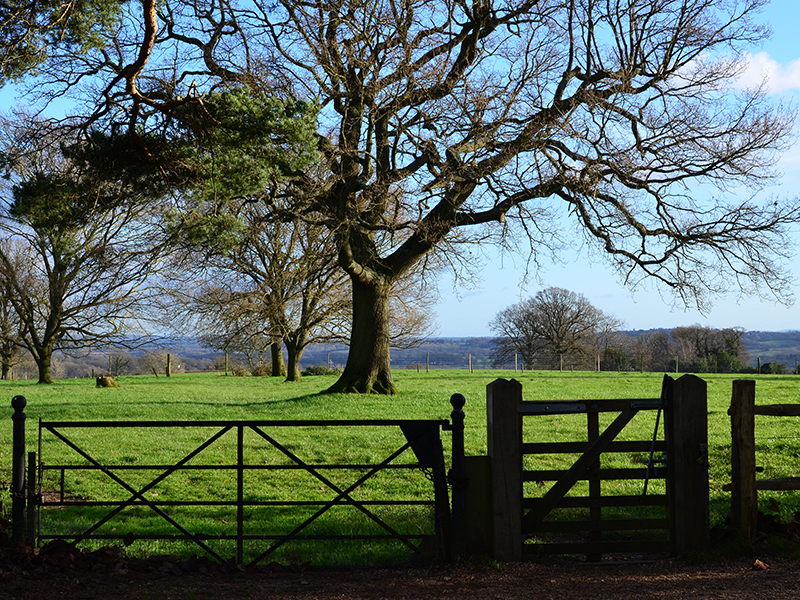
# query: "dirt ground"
105,576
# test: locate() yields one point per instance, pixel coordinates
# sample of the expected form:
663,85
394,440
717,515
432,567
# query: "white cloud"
779,78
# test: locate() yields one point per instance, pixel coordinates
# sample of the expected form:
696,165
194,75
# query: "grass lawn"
210,396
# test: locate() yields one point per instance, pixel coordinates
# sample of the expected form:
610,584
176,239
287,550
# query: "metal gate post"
458,479
30,533
240,495
18,403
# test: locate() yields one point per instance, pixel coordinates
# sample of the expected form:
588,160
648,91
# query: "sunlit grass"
196,397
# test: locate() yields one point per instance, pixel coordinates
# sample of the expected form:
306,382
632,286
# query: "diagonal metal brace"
341,495
139,494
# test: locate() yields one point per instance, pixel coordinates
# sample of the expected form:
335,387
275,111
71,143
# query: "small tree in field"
553,325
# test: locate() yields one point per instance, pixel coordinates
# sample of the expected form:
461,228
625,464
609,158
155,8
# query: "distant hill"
439,353
774,346
450,353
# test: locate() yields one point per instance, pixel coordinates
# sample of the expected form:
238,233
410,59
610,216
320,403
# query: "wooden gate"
589,506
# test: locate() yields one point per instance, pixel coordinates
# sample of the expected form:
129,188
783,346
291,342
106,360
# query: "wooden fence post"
504,440
744,496
686,424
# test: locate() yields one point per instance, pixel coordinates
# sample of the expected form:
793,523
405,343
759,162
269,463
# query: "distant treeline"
696,349
769,348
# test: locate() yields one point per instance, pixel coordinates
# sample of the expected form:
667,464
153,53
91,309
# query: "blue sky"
467,312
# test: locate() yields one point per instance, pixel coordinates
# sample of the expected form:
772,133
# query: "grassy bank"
424,396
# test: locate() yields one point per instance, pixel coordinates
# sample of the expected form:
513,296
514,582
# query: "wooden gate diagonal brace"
340,495
579,468
140,493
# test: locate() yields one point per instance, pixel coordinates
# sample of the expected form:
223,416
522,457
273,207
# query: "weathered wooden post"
504,441
744,495
18,403
686,424
458,479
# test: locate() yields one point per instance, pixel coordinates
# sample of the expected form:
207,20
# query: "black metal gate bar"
231,424
332,503
140,494
343,495
239,494
336,488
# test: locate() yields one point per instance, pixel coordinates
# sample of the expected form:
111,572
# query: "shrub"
261,370
239,371
774,368
321,370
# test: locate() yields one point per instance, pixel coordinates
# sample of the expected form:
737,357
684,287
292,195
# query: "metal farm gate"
250,454
604,496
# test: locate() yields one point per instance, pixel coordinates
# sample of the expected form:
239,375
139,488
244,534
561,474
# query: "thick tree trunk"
295,345
293,362
367,370
278,366
44,361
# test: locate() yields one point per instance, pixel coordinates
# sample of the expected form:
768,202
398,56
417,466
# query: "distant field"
423,396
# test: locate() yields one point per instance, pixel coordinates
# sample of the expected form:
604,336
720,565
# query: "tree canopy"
444,121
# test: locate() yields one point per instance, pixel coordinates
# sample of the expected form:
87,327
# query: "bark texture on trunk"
278,366
367,370
293,362
44,362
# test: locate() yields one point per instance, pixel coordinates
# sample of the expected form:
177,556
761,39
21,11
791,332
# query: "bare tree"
553,325
80,247
705,349
119,364
11,329
448,121
277,284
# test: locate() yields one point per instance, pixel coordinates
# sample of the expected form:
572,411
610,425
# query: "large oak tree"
445,121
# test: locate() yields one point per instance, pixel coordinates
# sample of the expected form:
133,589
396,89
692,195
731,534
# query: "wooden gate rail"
744,486
515,518
422,438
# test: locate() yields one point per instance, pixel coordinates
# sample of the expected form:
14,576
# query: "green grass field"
423,396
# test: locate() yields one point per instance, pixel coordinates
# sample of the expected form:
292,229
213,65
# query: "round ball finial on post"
18,403
458,478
